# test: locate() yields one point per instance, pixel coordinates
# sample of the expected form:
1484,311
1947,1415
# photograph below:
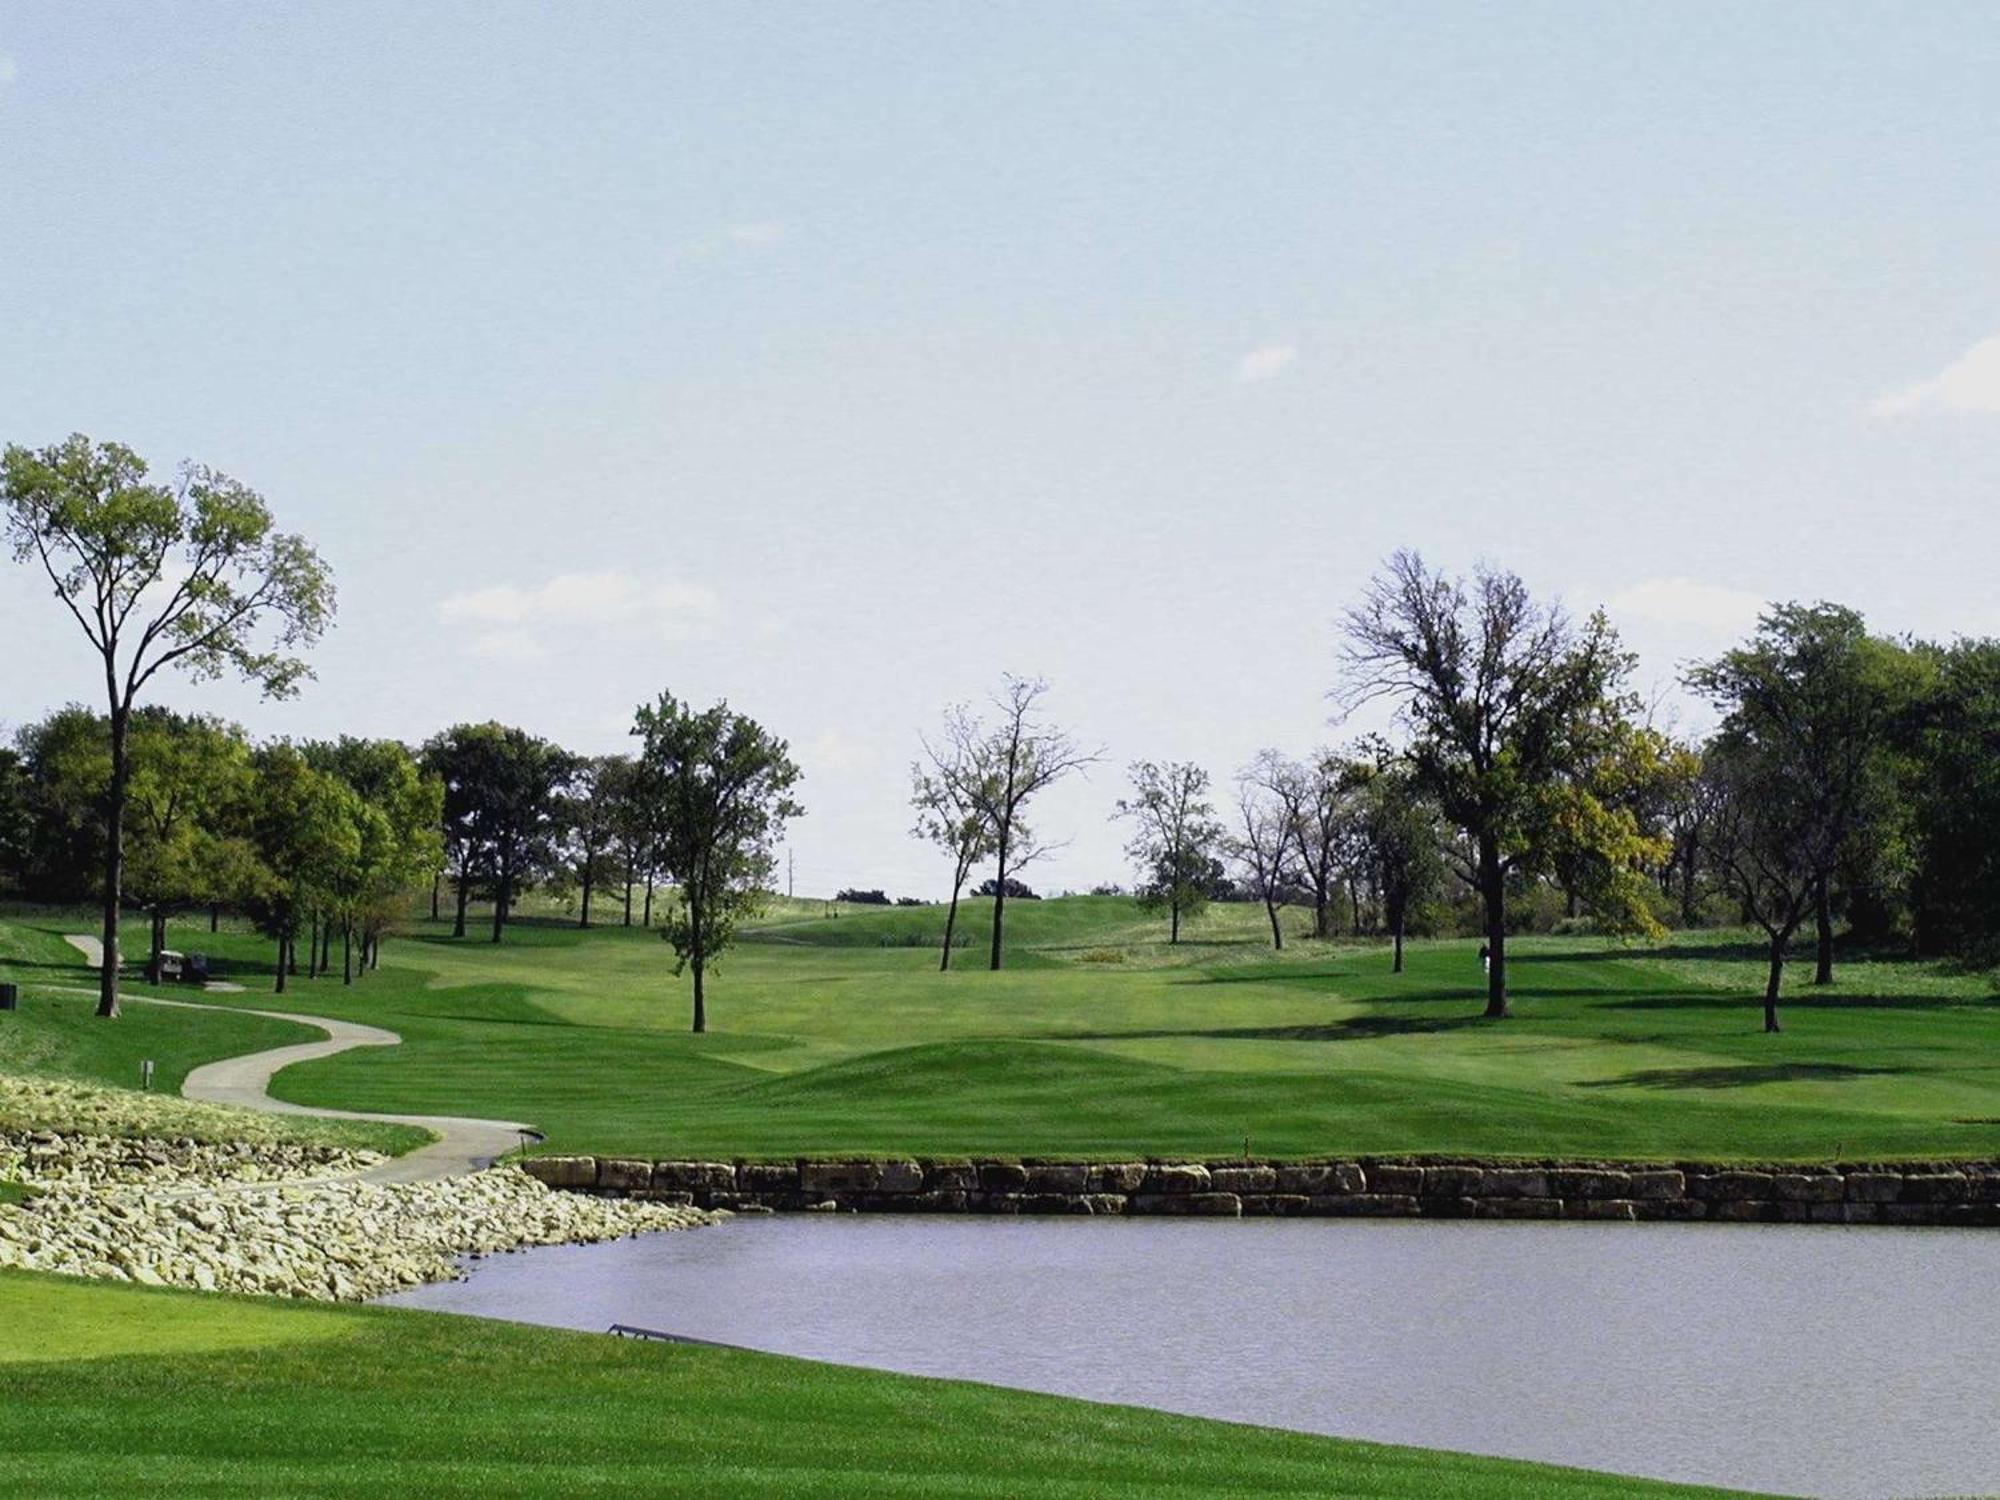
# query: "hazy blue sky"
837,358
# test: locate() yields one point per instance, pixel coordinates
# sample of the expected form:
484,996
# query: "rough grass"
237,1397
826,1043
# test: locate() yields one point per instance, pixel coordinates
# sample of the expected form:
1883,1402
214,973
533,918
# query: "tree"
724,793
1763,839
999,770
17,814
1503,698
1811,703
399,846
304,825
587,812
499,811
188,775
1175,838
1404,844
1316,818
191,575
951,812
1262,842
1953,781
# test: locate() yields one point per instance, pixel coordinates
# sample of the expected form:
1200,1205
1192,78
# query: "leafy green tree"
499,818
1504,699
17,815
1811,707
587,814
305,826
399,845
1952,781
1175,838
188,775
1405,844
724,793
191,575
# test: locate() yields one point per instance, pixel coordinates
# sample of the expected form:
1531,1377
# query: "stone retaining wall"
1949,1193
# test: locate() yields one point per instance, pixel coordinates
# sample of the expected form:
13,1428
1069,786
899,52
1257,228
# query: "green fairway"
836,1035
234,1396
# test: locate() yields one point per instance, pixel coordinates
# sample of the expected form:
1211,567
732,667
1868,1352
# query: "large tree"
1504,699
724,792
188,777
1175,838
1953,779
587,818
1811,704
305,826
398,808
191,575
499,817
950,816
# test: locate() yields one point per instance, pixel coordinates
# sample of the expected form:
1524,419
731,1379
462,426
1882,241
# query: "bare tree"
1261,844
950,817
1000,768
1503,698
1311,799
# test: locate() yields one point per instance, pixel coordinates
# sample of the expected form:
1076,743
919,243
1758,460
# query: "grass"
835,1035
123,1390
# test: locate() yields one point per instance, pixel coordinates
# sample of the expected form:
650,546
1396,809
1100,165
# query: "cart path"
462,1145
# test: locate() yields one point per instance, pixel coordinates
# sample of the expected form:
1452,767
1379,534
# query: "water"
1824,1361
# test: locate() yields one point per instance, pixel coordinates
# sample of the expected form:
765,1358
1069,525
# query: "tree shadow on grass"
1353,1029
1740,1076
1823,1000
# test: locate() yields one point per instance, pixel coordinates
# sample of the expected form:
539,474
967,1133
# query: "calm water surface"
1823,1361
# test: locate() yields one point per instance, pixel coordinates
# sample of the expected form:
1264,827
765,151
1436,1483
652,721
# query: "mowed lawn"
836,1035
117,1390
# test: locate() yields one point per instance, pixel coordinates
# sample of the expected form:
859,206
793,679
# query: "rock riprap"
336,1241
53,1159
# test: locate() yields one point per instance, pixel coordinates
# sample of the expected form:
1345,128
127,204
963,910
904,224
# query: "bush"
1015,890
862,898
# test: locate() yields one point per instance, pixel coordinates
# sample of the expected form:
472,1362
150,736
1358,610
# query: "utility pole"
789,892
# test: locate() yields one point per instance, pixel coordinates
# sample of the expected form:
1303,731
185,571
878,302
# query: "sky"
837,360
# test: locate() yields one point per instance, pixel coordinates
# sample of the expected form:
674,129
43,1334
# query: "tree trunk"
347,952
159,944
584,921
1493,894
1823,921
1354,905
215,916
628,895
284,956
1687,888
501,892
950,923
1173,922
458,924
1399,920
698,958
114,858
1321,918
1277,932
999,905
648,922
1771,984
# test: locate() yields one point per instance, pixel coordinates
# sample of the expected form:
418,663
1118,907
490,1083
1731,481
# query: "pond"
1822,1361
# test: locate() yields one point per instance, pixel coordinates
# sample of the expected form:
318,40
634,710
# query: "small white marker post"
146,1074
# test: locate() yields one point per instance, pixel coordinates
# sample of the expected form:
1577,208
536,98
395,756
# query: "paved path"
462,1144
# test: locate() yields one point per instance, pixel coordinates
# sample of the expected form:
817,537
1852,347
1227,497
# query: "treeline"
321,841
1853,781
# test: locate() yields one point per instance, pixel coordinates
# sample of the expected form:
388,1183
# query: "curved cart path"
462,1144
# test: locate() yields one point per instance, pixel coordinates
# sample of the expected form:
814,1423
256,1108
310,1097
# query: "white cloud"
753,237
1969,383
1685,601
1265,363
517,622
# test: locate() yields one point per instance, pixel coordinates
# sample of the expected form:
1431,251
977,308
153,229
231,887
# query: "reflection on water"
1824,1361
